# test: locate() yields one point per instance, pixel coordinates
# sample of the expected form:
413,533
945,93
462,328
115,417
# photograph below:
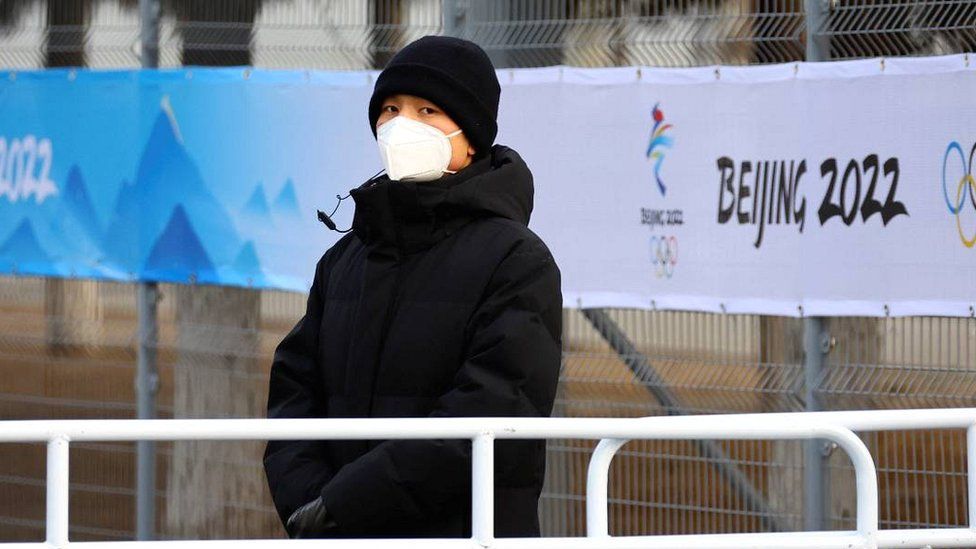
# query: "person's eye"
390,109
428,110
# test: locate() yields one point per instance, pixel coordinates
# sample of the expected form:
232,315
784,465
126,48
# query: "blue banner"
206,176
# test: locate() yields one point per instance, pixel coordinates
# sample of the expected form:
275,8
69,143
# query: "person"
439,303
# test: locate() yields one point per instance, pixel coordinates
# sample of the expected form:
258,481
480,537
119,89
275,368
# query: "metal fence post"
818,45
147,384
455,14
496,18
149,33
814,334
147,378
815,340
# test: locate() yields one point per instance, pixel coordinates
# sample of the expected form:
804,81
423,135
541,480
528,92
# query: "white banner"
800,189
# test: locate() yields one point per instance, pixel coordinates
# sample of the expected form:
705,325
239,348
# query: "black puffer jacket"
441,302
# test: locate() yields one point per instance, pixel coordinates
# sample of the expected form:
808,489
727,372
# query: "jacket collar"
415,216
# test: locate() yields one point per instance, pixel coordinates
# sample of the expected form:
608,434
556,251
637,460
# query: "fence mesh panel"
68,347
68,350
357,34
887,28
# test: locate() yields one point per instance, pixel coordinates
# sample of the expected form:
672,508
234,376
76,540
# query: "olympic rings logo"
664,255
966,186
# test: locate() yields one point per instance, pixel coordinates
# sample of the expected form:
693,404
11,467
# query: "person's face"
421,110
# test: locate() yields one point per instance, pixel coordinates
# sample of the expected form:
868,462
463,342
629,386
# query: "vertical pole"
149,33
57,492
147,384
449,13
818,45
597,487
814,466
454,16
147,379
483,489
503,36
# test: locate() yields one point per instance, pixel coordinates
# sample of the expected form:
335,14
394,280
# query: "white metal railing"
838,427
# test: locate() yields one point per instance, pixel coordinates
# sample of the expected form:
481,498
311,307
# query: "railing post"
147,385
658,386
57,492
483,489
815,463
866,478
597,488
971,473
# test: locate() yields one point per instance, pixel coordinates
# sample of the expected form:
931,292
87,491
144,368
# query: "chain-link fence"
68,348
703,363
356,34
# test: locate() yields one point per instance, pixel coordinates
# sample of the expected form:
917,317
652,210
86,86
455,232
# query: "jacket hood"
414,216
504,189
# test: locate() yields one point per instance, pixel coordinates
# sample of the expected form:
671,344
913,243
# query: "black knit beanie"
454,74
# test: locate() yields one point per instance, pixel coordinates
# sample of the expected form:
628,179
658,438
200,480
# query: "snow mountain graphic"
247,260
286,204
165,224
256,211
246,269
261,225
167,179
179,254
21,252
78,204
64,229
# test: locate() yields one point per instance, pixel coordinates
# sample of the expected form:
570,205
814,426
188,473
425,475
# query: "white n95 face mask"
414,151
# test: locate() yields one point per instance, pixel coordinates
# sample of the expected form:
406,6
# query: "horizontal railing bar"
881,420
947,537
675,427
690,427
933,537
807,540
258,543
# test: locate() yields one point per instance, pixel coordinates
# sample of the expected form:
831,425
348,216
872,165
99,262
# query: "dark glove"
310,521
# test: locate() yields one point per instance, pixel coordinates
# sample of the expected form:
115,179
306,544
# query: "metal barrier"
837,427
